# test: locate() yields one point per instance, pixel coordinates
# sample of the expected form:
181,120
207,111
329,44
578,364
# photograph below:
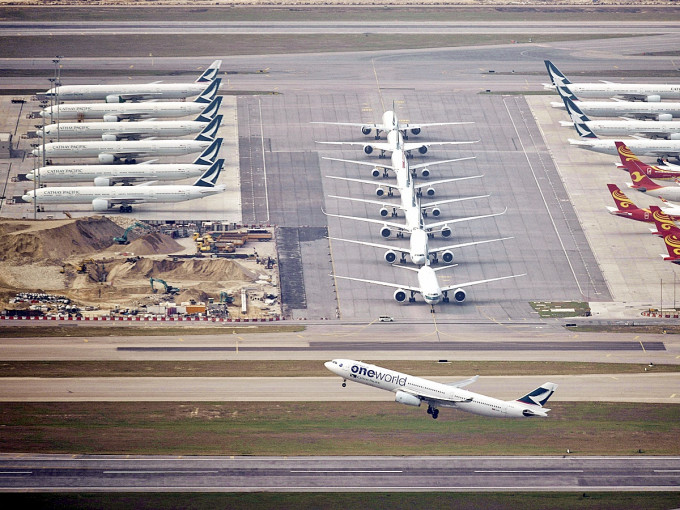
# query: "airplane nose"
27,198
328,365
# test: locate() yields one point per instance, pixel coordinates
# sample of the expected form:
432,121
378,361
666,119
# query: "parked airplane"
119,93
105,198
644,184
663,222
109,175
390,122
428,286
662,111
111,152
630,91
395,164
672,242
110,131
207,103
667,129
626,208
413,391
395,141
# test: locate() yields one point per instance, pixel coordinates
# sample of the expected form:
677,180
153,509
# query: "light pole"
57,84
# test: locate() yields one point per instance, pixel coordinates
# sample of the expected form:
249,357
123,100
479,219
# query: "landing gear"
433,411
381,155
445,299
126,208
412,299
344,384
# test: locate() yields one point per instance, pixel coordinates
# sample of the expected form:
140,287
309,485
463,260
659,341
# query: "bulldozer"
169,289
124,238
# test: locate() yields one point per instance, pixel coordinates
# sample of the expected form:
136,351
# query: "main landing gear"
344,384
433,411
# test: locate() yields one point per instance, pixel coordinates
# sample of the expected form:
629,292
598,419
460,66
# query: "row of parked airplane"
421,253
120,141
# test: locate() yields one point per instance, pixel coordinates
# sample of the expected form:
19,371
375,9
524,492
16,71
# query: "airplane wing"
354,124
443,181
377,282
399,226
375,245
139,97
381,146
431,124
366,201
422,165
435,399
463,383
365,163
479,282
438,224
410,146
364,181
450,201
471,243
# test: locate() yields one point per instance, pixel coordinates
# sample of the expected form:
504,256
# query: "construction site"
114,266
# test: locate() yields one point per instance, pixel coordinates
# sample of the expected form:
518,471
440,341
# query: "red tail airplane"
628,160
625,207
664,223
672,242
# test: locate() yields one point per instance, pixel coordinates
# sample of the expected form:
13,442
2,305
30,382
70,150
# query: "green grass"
370,500
331,428
308,368
560,308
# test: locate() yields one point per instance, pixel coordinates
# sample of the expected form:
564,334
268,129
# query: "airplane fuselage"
147,90
636,109
116,111
639,90
631,127
117,173
118,130
639,147
133,148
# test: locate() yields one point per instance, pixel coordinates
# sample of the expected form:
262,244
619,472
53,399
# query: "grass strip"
331,428
309,368
649,329
49,329
367,500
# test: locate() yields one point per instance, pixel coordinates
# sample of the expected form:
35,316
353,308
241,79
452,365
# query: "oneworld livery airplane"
414,391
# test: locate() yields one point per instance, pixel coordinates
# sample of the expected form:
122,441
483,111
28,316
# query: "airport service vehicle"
119,93
105,198
414,391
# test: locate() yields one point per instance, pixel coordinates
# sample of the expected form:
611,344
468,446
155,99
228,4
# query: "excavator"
124,238
169,289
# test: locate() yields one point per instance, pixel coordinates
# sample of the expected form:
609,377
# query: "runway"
394,474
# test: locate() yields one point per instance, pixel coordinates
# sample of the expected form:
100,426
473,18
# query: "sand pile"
209,270
149,244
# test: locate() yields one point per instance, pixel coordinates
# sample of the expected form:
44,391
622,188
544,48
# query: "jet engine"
459,295
407,399
664,116
368,149
366,130
375,172
446,231
400,295
379,192
430,192
102,181
674,136
390,256
114,99
447,257
385,231
106,159
425,172
111,118
436,212
422,149
384,212
109,137
415,131
653,98
100,205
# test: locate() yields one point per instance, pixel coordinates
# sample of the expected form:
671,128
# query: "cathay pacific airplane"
109,175
208,103
414,391
104,198
119,93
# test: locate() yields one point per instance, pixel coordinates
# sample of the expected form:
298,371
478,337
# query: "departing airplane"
110,131
104,198
109,175
208,103
666,129
631,91
662,111
119,93
428,285
111,152
390,122
395,141
413,391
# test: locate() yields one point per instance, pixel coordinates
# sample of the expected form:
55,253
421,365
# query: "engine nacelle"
114,99
415,131
368,149
375,172
366,130
102,181
109,137
390,256
100,205
400,295
459,295
674,136
385,231
106,159
379,192
111,118
436,212
430,192
422,149
425,172
653,98
447,257
446,232
384,212
407,399
664,116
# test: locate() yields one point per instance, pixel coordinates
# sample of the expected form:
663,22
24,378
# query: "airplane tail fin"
209,132
663,222
623,203
210,111
209,92
672,242
538,397
574,111
636,168
209,177
210,73
565,91
208,156
556,76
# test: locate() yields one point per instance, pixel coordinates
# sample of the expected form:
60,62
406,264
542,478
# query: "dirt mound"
193,269
151,244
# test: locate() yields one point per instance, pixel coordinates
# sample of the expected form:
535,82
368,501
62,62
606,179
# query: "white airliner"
395,141
109,175
413,391
105,198
428,285
657,148
119,93
390,122
115,112
110,131
630,91
111,152
662,111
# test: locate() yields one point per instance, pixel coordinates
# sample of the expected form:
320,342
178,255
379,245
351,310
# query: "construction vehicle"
169,289
258,234
82,267
124,238
202,248
225,297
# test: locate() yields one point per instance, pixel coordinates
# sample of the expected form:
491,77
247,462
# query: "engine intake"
390,256
400,295
368,149
415,131
366,130
459,295
407,399
385,231
423,149
447,257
